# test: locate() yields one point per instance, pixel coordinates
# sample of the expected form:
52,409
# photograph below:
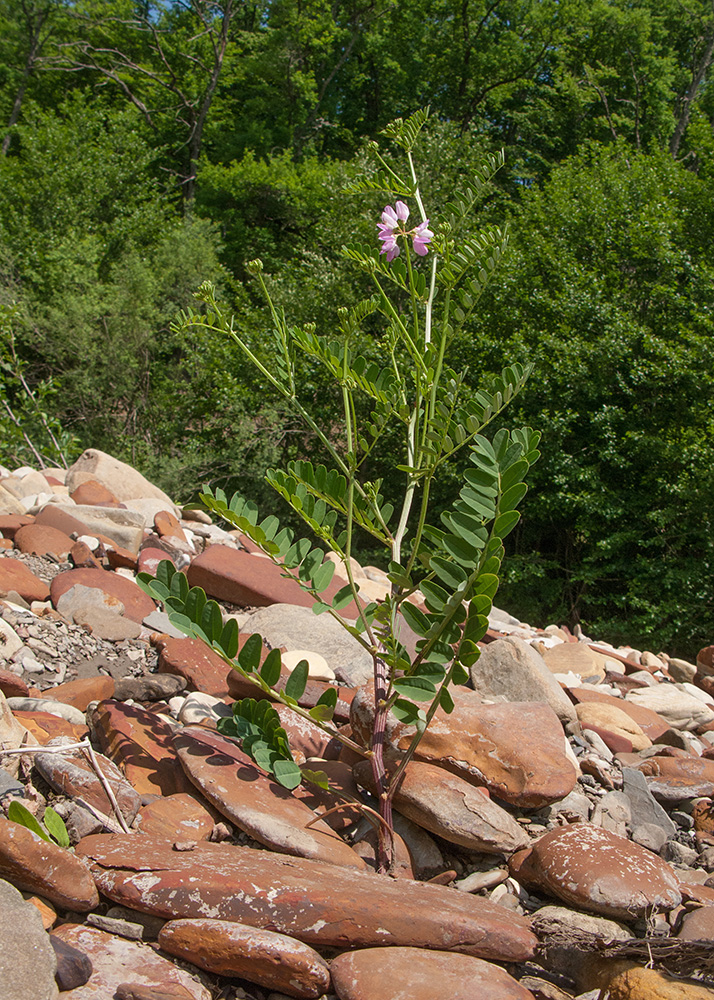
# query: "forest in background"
149,146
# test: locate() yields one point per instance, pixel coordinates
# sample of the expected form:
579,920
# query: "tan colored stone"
608,717
13,734
628,981
9,504
651,724
124,482
576,658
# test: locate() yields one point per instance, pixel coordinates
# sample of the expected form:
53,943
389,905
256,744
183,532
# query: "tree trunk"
33,53
691,95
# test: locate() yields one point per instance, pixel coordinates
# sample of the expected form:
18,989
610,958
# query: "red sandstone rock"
594,870
29,862
10,524
516,749
82,557
241,578
137,604
169,526
41,540
12,686
698,925
203,669
179,817
613,741
92,494
82,692
149,559
140,744
271,960
416,974
672,779
116,960
14,575
45,727
315,902
71,774
305,737
452,808
651,724
117,556
254,802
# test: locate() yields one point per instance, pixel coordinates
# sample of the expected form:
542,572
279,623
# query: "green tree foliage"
610,292
113,109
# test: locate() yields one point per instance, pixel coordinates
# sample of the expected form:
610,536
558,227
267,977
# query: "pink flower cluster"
393,226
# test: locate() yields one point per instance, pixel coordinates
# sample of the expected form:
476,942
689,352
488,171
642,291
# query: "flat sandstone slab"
315,902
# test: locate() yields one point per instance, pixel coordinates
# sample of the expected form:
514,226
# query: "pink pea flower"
393,225
421,236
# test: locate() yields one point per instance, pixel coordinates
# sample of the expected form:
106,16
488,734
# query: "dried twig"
85,746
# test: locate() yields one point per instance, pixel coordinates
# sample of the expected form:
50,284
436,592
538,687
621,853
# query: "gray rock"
557,922
9,785
58,708
649,835
679,854
575,806
681,709
124,527
80,598
199,707
511,670
153,687
644,808
298,628
10,642
477,881
682,670
106,624
27,959
159,622
612,813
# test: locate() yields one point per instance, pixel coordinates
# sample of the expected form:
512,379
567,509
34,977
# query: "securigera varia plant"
427,274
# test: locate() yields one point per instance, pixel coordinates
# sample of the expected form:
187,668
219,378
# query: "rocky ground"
555,836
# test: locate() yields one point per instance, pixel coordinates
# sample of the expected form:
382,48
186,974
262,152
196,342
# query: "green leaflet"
416,688
17,813
297,681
